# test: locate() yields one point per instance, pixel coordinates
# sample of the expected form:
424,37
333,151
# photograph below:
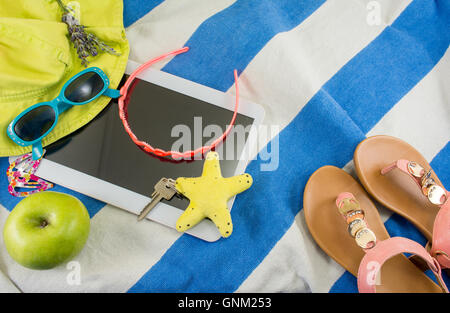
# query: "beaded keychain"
20,174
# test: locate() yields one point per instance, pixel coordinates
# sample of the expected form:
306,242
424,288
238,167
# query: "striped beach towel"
328,74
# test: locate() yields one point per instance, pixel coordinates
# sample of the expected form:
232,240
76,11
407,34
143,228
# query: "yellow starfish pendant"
209,194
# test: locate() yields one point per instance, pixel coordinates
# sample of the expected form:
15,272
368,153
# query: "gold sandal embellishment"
435,193
357,226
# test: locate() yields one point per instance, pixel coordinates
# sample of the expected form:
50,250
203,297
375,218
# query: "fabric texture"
328,74
37,58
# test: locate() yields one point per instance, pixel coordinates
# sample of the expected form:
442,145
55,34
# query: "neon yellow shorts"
37,58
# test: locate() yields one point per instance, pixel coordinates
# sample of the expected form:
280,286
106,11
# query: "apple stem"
44,223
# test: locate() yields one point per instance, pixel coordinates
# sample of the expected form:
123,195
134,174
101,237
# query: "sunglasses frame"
59,105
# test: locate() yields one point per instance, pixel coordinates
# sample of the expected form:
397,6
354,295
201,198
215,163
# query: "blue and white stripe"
328,79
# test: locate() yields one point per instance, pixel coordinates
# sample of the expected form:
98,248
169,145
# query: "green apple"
45,229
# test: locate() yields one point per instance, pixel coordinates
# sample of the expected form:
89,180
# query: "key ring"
123,114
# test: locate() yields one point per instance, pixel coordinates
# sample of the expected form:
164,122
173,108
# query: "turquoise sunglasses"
33,124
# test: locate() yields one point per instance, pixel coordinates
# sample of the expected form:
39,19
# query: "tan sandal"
400,178
346,225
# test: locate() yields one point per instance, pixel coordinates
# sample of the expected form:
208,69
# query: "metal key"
164,189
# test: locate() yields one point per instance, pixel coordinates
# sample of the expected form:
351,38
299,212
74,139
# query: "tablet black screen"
161,117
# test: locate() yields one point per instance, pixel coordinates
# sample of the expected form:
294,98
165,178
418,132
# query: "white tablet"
170,113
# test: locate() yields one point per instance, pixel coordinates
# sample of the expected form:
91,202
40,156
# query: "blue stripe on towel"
231,38
441,164
9,202
314,138
399,226
408,46
135,9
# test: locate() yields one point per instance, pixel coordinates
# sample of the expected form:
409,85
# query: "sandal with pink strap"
401,179
347,226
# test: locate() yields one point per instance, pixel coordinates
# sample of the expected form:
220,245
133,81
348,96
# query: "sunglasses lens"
84,88
35,123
